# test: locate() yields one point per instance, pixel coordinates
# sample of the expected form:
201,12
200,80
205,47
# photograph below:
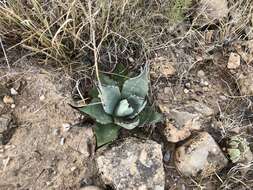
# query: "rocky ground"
46,144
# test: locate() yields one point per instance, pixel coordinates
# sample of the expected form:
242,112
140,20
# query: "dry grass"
62,30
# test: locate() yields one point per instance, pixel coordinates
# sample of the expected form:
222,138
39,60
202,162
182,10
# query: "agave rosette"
114,108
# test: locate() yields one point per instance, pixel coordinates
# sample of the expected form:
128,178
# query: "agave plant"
238,148
114,107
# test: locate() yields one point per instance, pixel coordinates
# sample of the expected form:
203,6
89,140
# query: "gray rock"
201,74
200,155
132,165
181,122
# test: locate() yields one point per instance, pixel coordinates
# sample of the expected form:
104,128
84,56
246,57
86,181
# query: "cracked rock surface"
132,165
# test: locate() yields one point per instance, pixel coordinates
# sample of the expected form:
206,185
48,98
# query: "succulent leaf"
120,73
95,110
137,103
106,133
136,86
127,124
149,116
123,109
238,148
106,80
110,96
93,92
234,154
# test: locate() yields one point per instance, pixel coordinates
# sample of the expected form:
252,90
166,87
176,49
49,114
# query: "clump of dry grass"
62,30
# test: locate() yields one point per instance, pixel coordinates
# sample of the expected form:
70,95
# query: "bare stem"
93,39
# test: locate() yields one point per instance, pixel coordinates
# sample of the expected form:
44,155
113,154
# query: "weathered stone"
8,100
200,155
132,165
234,61
181,122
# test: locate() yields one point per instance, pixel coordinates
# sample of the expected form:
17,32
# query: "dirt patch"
41,153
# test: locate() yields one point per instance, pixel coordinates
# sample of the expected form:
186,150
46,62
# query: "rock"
90,187
246,84
66,127
8,100
200,73
203,83
166,157
180,123
13,91
209,11
234,61
132,165
186,91
200,156
81,140
200,108
167,90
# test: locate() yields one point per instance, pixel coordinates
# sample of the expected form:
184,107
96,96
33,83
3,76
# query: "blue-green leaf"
106,133
138,103
106,80
110,96
136,86
149,116
95,110
127,124
123,109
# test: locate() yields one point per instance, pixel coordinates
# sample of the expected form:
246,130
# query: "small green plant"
120,104
238,147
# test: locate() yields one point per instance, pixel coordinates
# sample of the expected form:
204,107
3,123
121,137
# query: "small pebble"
42,98
8,100
186,91
203,83
13,106
166,156
188,85
66,127
205,89
167,90
131,59
201,74
62,141
13,91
